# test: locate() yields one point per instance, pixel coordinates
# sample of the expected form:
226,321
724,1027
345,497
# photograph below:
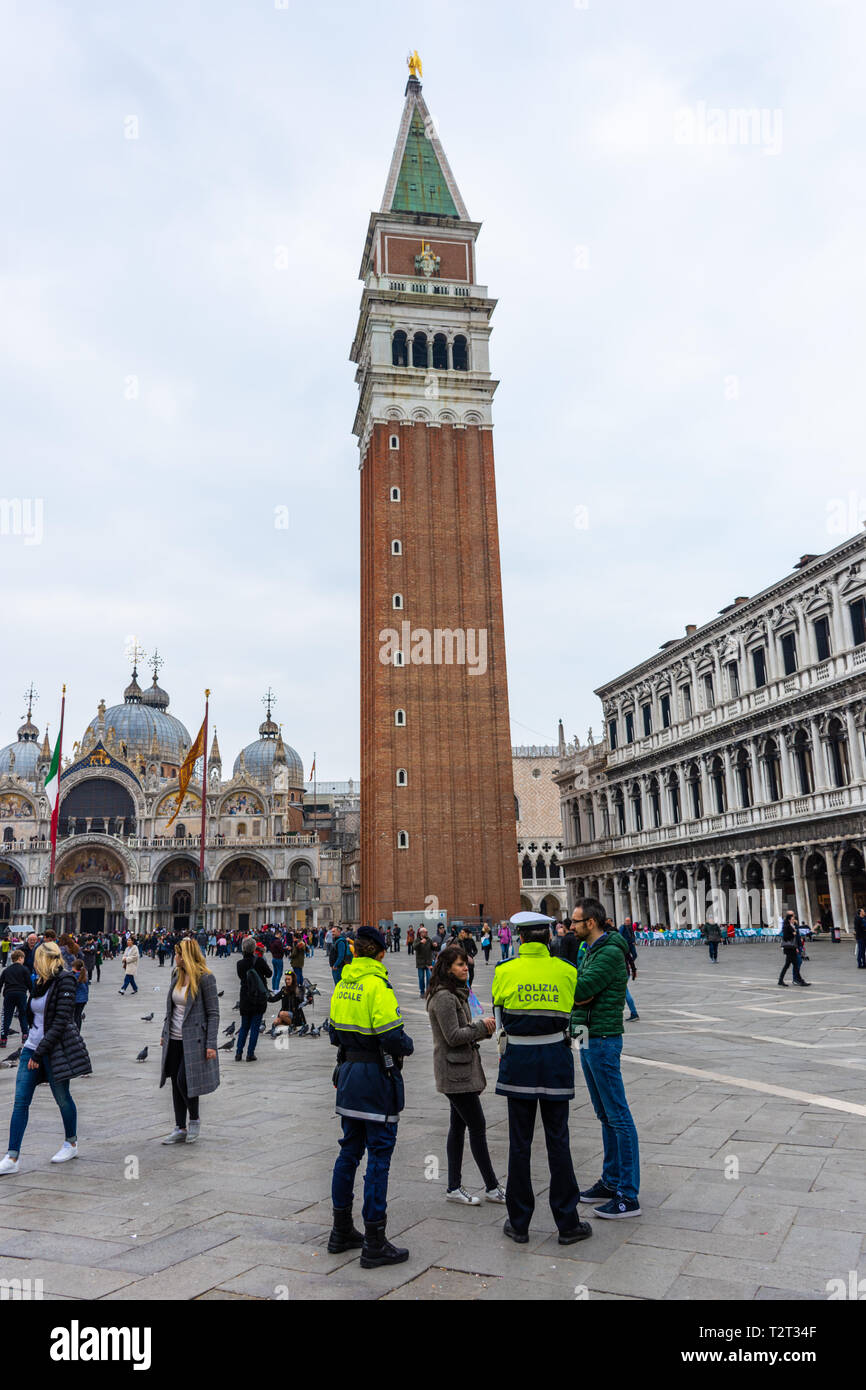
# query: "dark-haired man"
601,987
366,1025
533,994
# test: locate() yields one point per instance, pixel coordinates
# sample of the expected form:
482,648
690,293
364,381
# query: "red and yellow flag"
183,778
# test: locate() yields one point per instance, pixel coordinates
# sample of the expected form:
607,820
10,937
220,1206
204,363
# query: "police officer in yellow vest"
366,1025
533,993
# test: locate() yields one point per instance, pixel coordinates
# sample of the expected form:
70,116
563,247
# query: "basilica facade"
119,863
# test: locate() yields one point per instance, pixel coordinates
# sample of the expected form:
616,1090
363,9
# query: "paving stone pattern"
747,1192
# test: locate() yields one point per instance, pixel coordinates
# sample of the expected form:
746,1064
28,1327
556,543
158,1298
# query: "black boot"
377,1250
343,1235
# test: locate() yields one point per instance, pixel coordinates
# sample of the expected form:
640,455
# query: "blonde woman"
189,1039
53,1052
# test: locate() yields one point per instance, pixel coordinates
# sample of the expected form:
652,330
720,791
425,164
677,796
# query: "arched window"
674,797
803,761
619,807
395,494
400,350
695,791
636,808
402,839
540,867
771,762
655,802
400,718
837,747
180,832
394,441
555,871
440,353
743,770
8,835
241,830
717,778
397,601
396,547
460,354
526,869
402,777
419,350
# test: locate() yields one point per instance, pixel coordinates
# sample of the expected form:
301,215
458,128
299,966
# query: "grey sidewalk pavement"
750,1104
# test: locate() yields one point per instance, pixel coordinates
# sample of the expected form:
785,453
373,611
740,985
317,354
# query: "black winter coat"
62,1044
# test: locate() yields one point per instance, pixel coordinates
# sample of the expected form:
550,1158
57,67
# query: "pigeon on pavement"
227,1047
145,1018
220,993
227,1032
142,1056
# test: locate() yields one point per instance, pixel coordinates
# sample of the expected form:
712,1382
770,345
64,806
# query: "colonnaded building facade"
119,864
734,761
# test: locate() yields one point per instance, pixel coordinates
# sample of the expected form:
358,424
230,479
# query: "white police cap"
530,919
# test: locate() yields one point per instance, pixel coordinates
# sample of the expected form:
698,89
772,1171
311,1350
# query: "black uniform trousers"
564,1192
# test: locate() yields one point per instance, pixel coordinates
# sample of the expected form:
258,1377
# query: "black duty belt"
352,1054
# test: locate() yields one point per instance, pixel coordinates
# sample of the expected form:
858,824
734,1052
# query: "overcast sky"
679,334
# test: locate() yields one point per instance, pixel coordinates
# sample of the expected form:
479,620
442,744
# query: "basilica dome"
138,721
259,757
25,753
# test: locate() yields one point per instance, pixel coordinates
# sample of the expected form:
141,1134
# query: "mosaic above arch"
242,804
191,803
90,863
14,807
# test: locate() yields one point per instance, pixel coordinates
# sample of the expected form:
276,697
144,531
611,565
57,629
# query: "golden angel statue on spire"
414,65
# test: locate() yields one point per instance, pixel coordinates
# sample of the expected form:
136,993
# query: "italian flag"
52,783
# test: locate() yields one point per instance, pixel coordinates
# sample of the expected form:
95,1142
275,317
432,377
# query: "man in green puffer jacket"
598,1004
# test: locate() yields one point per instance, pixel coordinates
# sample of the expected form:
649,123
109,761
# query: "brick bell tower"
437,793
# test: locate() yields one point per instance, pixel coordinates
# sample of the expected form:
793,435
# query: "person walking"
601,986
366,1026
791,945
712,935
423,959
129,961
297,960
458,1072
626,931
190,1032
253,973
53,1052
339,953
504,935
82,990
162,951
533,994
98,956
396,935
485,945
15,986
410,941
278,954
860,937
467,941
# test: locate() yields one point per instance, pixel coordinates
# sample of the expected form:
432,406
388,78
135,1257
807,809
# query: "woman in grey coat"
458,1072
189,1039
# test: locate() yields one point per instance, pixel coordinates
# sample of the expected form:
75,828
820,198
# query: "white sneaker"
177,1136
193,1131
495,1194
10,1165
460,1194
64,1154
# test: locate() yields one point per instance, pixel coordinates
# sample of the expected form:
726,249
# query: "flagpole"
54,818
201,885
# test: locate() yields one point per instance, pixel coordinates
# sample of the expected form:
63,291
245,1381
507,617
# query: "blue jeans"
423,979
15,1003
379,1140
129,980
299,976
713,947
505,950
277,975
26,1082
599,1059
250,1023
632,1006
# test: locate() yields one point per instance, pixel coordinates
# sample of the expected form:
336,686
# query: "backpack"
254,992
332,952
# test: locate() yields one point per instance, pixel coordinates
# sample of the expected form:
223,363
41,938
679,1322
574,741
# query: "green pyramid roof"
421,184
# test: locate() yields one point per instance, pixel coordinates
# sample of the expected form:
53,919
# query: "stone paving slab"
246,1211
